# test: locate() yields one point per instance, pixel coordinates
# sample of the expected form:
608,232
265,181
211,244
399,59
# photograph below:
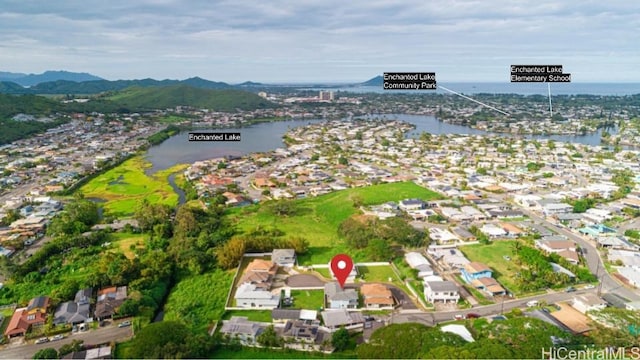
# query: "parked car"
472,316
458,317
57,337
590,286
532,303
124,324
570,289
42,340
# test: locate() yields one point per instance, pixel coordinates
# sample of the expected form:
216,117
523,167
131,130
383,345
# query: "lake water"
256,138
268,136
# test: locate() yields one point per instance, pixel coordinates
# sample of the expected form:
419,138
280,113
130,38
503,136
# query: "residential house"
551,209
493,231
260,273
109,300
588,302
284,257
512,230
418,262
303,332
335,319
103,352
284,315
475,270
489,285
598,230
23,319
240,328
377,296
411,204
441,291
338,298
249,295
564,248
74,312
442,236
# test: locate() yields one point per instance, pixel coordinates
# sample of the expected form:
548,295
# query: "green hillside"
139,99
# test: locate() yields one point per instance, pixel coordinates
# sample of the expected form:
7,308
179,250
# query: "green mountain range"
134,99
150,98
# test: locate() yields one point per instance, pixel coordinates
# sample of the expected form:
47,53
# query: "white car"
590,286
57,337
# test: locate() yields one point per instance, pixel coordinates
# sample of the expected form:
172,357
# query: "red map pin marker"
341,266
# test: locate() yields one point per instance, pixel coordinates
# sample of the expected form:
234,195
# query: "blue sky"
328,40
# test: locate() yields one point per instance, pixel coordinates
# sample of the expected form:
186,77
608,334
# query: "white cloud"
320,40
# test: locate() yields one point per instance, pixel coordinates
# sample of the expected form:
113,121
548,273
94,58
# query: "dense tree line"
377,236
257,240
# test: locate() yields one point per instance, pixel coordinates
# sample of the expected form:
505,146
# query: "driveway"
403,299
304,280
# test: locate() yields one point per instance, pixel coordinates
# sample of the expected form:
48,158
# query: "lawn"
383,274
317,219
252,315
125,186
493,255
308,299
123,242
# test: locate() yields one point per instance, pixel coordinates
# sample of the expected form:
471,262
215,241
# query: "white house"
556,208
493,231
442,291
588,302
249,296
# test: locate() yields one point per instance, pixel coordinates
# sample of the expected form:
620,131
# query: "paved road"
92,337
592,257
433,318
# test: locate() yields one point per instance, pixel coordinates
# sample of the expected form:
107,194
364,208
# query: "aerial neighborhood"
442,228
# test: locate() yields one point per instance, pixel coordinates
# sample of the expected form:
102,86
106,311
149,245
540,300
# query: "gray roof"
71,312
335,293
38,302
240,325
440,286
334,318
84,296
285,314
615,300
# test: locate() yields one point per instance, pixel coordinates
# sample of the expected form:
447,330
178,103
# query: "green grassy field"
252,315
123,242
198,301
493,255
126,185
308,299
378,274
317,219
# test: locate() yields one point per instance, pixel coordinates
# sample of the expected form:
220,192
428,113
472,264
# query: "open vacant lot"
317,219
493,255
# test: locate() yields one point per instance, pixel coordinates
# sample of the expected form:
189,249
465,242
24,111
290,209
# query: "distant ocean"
617,89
